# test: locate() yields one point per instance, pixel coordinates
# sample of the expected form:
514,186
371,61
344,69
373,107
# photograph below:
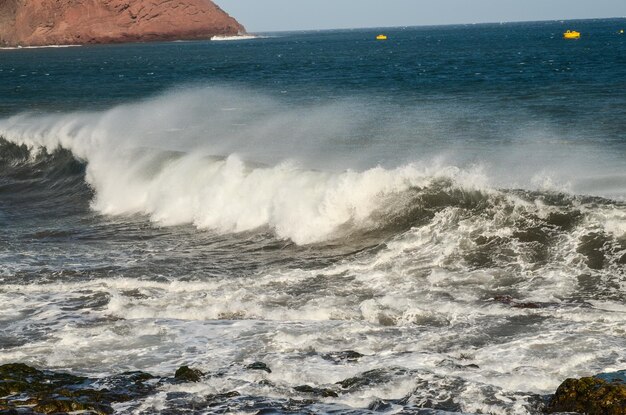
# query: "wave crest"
156,158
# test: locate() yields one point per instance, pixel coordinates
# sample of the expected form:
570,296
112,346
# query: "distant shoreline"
246,36
38,47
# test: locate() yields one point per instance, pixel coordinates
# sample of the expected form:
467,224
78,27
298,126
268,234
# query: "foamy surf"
38,47
214,228
133,170
233,38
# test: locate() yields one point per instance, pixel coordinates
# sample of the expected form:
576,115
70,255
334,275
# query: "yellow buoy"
621,32
381,37
571,34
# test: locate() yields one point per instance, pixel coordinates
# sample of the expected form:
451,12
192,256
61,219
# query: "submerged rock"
222,396
510,301
380,405
322,392
187,374
598,395
259,366
349,356
371,377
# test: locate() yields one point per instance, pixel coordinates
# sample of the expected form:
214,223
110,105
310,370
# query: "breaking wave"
234,38
184,158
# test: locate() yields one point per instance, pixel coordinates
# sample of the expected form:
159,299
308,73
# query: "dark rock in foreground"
187,374
28,391
46,392
598,395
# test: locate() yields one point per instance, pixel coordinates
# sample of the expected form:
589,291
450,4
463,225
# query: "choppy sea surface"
450,204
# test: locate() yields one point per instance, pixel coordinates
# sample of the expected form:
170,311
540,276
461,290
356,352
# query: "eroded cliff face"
64,22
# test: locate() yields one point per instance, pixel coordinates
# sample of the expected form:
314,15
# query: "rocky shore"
603,394
25,390
74,22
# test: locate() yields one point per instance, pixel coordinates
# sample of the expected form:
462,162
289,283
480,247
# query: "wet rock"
451,363
19,370
17,378
322,392
371,377
219,399
349,356
591,396
10,387
380,405
135,377
529,305
128,385
45,392
510,301
221,396
259,366
187,374
51,406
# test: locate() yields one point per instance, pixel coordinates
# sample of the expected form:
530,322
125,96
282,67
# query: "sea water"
449,203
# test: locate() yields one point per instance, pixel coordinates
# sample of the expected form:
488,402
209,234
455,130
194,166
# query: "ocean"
431,224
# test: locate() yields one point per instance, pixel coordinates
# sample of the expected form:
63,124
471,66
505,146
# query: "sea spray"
132,170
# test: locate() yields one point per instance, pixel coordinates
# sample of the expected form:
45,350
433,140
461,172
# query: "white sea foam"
153,158
130,169
523,361
38,47
415,305
238,37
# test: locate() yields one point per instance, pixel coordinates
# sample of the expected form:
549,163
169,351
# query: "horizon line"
436,25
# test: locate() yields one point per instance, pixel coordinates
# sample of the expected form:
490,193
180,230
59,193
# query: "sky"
277,15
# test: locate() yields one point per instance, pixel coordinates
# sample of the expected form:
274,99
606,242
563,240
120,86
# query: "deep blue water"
517,65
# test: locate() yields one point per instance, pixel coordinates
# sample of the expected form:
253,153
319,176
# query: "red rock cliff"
65,22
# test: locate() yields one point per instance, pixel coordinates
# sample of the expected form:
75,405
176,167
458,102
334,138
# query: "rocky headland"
78,22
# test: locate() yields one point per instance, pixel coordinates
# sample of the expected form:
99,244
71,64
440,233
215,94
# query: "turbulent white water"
415,307
38,47
130,173
132,170
461,296
239,37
